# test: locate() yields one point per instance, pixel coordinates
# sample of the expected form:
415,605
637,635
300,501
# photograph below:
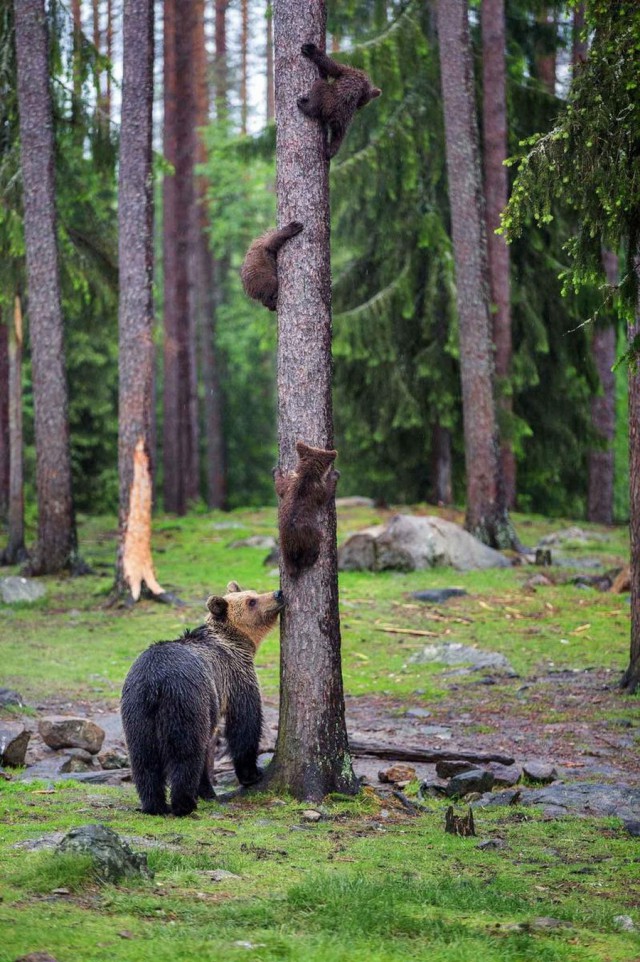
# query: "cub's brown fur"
302,492
259,271
334,103
177,691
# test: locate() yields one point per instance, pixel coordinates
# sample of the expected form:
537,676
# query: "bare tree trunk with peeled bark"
487,516
56,548
15,552
134,567
312,755
494,117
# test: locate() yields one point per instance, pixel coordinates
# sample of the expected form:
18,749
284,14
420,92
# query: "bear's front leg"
243,729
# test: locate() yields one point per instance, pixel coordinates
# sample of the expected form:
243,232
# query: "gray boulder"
266,542
476,780
581,798
455,653
14,740
59,731
10,698
409,543
15,588
112,857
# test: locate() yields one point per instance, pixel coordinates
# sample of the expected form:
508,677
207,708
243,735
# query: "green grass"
368,883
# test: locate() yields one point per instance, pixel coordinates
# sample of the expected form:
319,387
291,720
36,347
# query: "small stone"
417,713
16,588
435,596
112,857
632,827
505,775
78,760
476,780
544,923
221,875
448,767
397,773
113,758
624,922
14,740
266,542
10,698
63,732
432,788
311,815
539,772
61,891
492,844
126,934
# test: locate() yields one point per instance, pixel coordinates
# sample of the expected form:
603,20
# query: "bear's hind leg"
243,729
185,777
148,776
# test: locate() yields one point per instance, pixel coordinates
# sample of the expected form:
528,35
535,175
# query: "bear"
335,103
176,692
301,493
259,271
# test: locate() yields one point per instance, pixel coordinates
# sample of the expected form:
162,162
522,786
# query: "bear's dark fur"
335,102
301,493
259,271
177,691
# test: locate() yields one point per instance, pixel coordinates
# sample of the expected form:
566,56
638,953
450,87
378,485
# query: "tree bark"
244,70
220,64
271,104
15,551
631,678
546,62
494,117
56,544
134,567
603,413
4,418
487,516
109,53
312,755
580,47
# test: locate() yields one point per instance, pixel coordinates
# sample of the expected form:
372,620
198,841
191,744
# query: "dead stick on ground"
412,753
409,631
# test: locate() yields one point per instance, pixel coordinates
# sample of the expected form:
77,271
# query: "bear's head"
369,94
249,612
314,461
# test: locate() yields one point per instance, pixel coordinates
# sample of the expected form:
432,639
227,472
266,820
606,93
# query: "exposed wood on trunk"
135,221
413,753
494,126
15,551
487,517
271,104
4,417
312,755
56,545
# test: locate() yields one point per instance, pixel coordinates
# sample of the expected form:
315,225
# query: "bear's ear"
375,92
218,607
233,586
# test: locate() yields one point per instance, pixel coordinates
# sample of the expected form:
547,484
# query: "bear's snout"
278,597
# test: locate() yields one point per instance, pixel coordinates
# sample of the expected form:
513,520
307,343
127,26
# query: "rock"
113,859
454,653
221,875
509,796
505,775
397,773
15,588
581,798
417,713
539,772
436,596
38,844
266,542
10,699
624,922
544,923
78,760
14,739
62,732
37,957
492,844
538,581
475,780
436,731
114,758
311,815
273,558
448,767
355,501
573,535
632,828
432,788
358,553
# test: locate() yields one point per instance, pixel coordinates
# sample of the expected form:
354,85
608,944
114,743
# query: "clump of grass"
41,872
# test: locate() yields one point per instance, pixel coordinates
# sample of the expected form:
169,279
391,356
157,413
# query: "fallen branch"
414,754
409,631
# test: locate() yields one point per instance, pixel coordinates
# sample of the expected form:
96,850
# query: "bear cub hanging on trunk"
259,271
302,492
177,691
335,103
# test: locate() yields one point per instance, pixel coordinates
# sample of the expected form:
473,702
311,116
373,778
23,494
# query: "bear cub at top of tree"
259,272
335,102
177,691
302,493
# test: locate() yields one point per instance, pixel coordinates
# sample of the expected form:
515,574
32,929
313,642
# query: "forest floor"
371,880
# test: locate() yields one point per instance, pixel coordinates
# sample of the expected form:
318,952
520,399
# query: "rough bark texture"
487,517
220,64
56,545
494,124
271,103
312,754
135,221
631,677
15,551
4,418
603,413
244,55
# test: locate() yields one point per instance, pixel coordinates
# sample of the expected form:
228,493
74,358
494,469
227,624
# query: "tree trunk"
603,413
109,53
546,62
15,551
631,678
271,104
220,64
494,117
580,46
441,464
244,70
134,567
312,755
487,516
4,418
56,545
76,14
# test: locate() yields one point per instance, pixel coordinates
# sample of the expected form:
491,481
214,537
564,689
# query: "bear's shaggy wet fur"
259,272
334,102
302,492
177,691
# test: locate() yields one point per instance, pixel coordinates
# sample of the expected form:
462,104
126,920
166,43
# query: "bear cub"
177,691
302,492
259,271
335,103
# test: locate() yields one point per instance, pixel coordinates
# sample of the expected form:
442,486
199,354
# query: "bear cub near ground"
302,492
177,691
334,102
259,271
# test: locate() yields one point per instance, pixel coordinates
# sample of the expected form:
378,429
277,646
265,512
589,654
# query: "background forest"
397,395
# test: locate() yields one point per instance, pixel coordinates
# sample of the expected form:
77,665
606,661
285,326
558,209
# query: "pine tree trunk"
271,104
109,53
56,545
631,678
603,413
580,46
487,516
312,755
134,569
4,418
546,62
15,551
441,464
220,66
244,55
494,116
